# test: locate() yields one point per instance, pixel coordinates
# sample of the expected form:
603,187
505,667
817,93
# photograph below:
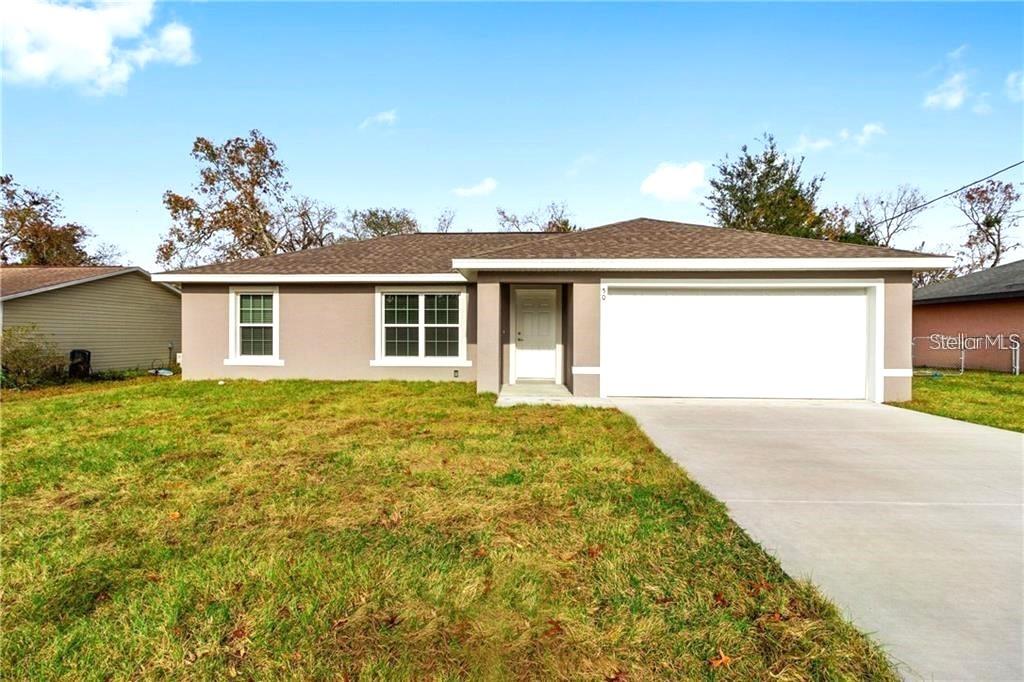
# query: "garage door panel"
800,343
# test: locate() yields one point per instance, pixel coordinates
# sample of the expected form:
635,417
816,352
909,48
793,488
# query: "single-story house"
118,314
637,308
980,315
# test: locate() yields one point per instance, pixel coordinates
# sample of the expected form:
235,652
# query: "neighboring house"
637,308
117,313
979,313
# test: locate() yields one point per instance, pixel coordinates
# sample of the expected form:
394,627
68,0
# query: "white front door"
536,335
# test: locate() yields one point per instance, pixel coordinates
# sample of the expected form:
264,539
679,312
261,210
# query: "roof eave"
916,263
308,278
971,298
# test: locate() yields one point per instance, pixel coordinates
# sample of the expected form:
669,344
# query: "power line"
947,194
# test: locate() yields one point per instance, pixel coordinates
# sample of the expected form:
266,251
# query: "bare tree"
445,220
888,215
992,217
923,278
381,222
307,224
551,218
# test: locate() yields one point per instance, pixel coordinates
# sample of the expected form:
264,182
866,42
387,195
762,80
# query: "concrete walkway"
912,523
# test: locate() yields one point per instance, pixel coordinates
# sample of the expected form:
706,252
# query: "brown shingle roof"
641,238
647,238
20,279
425,252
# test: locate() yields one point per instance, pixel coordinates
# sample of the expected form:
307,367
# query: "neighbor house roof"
447,255
1003,281
24,280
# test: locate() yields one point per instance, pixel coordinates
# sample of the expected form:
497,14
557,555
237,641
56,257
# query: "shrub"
29,358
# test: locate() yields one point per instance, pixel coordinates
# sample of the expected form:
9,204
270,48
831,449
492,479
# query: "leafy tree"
35,233
551,218
763,192
242,207
888,215
992,217
380,222
838,225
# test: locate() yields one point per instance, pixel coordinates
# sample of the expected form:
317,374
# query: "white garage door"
735,343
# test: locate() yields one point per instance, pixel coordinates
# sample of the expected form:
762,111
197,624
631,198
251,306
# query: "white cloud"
954,55
950,94
1015,86
94,45
383,118
868,131
844,134
981,104
480,189
579,164
674,181
806,144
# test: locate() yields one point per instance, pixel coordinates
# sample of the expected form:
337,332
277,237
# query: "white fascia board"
705,264
220,278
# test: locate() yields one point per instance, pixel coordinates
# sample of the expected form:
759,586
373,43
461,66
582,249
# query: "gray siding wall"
127,321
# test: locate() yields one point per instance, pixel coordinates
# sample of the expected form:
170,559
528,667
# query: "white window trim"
235,356
381,360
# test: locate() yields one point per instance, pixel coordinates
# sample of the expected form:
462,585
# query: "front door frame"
514,290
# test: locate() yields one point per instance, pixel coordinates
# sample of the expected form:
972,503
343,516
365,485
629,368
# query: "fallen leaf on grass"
594,550
617,676
757,587
720,600
720,661
554,630
174,515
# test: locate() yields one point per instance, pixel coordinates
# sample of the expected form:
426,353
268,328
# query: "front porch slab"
542,393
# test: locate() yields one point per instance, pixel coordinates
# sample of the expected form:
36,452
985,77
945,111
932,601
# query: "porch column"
488,337
586,334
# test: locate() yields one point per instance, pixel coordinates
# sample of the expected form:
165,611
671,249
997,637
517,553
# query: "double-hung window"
421,327
253,335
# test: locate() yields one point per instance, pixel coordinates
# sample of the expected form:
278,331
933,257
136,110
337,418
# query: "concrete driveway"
911,523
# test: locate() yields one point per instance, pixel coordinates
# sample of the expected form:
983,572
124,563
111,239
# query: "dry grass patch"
379,530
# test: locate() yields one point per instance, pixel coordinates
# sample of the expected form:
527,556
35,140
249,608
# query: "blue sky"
473,106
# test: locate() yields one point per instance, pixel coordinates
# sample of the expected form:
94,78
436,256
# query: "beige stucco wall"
126,321
326,332
899,312
586,305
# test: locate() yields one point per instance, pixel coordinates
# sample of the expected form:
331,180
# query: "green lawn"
989,398
158,528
